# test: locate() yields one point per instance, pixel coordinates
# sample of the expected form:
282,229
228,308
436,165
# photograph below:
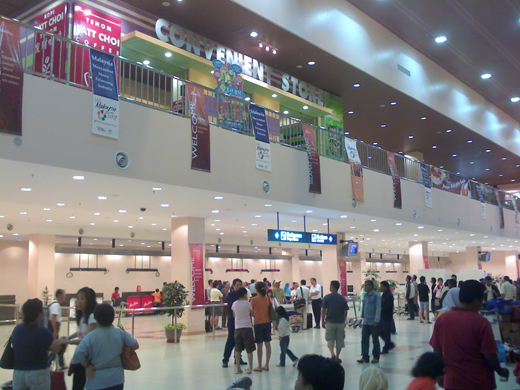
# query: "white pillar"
511,264
187,231
295,265
471,257
418,252
41,264
329,265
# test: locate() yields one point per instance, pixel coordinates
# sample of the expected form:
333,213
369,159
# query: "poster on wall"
200,135
105,109
482,201
95,29
343,277
356,169
262,145
313,158
449,182
197,274
428,202
11,79
396,180
50,56
426,262
500,208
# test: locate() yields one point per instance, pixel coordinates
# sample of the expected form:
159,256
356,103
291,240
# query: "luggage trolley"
120,310
296,320
353,322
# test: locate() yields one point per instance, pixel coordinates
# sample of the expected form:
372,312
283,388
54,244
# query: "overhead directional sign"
301,237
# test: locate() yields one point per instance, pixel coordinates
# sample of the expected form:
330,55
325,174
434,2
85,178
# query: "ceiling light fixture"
165,205
166,3
168,54
274,95
393,103
311,63
423,118
78,177
97,213
357,85
350,112
434,147
286,112
488,150
156,189
253,34
248,99
305,107
441,39
219,197
383,125
485,76
515,99
102,197
122,211
454,155
410,136
343,216
146,62
268,205
215,211
60,204
398,224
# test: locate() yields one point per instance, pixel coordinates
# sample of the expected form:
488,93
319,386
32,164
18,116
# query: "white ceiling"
240,219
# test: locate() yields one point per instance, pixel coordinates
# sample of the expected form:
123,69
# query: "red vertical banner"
200,135
426,262
197,274
11,78
343,277
95,29
313,158
517,269
396,180
500,208
50,55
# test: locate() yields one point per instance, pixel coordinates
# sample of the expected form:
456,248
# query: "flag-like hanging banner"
480,195
427,186
314,159
200,135
197,274
446,181
262,145
343,277
500,209
396,180
356,169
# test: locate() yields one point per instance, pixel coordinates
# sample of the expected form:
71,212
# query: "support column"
329,265
295,265
511,264
357,275
418,252
471,257
187,231
41,264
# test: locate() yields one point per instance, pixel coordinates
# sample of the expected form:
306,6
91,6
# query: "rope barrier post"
175,324
213,316
133,317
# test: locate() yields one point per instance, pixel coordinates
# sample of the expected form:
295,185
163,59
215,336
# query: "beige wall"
14,267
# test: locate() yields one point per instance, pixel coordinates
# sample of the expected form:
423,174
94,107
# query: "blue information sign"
302,237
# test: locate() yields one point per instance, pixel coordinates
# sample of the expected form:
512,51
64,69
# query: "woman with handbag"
85,306
31,344
101,352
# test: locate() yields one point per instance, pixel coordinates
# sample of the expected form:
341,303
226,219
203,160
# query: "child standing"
427,372
284,332
244,339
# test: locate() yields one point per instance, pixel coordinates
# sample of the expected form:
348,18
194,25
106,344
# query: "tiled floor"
195,363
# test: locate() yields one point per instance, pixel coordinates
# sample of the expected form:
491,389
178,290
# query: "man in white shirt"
303,292
316,295
508,290
55,320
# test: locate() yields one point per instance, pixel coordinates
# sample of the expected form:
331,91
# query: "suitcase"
309,321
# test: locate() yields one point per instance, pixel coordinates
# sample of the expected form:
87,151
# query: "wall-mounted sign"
301,237
203,47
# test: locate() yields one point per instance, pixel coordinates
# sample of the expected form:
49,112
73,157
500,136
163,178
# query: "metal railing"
66,61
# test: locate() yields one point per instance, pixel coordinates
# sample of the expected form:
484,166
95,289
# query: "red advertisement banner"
147,303
449,182
396,180
97,30
49,58
426,262
343,277
500,209
197,274
314,159
200,135
11,79
133,303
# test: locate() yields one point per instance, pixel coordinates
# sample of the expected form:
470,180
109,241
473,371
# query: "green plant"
180,326
393,284
373,275
46,297
175,294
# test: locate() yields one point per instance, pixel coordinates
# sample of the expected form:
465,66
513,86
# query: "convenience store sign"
203,47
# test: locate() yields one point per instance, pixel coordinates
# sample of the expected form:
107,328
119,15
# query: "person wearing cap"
465,340
278,292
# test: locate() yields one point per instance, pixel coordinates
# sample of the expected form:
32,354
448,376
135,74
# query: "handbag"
129,357
7,360
272,313
300,303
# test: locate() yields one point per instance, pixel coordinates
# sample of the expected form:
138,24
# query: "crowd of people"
465,354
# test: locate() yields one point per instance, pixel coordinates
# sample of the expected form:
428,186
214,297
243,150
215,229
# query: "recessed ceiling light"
305,107
501,175
504,158
253,34
46,209
454,155
215,211
376,230
373,220
97,213
216,220
286,112
122,211
485,76
343,216
221,233
49,220
440,230
78,177
393,103
166,3
293,221
102,197
441,167
311,63
375,144
154,224
254,224
488,150
2,216
383,125
350,112
274,51
168,54
248,98
268,205
423,118
165,205
274,95
146,62
115,220
25,189
92,223
398,224
434,147
299,66
420,227
72,217
219,197
130,227
410,136
15,234
352,227
267,48
156,189
515,99
309,211
441,39
60,204
258,216
357,85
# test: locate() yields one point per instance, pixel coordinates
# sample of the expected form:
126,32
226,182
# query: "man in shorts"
334,309
244,339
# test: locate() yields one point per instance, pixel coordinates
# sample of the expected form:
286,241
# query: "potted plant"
175,294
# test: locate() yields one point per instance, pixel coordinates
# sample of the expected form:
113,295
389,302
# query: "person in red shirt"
115,295
427,372
465,340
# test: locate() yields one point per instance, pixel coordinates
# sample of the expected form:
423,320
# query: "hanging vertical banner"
263,148
95,29
515,208
51,55
11,79
427,186
500,208
200,136
426,262
314,159
197,274
396,180
343,277
356,169
105,113
480,195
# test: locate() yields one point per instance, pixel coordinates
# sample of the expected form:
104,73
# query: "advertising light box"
301,237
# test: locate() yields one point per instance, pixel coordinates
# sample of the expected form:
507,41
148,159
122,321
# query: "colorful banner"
396,180
313,158
500,208
197,274
47,58
356,169
343,277
95,29
105,112
263,148
515,207
426,262
481,199
200,135
427,186
449,182
11,79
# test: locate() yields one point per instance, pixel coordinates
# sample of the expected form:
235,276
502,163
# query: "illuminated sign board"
301,237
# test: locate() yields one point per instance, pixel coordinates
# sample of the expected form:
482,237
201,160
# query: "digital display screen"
353,249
